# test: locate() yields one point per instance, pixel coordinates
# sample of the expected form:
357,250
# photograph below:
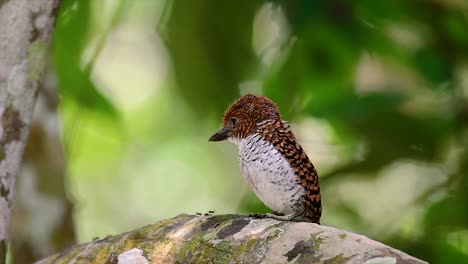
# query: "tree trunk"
41,198
25,30
232,239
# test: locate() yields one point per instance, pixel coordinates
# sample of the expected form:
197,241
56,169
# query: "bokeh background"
376,92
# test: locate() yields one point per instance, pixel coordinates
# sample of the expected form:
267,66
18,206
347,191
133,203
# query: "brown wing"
279,133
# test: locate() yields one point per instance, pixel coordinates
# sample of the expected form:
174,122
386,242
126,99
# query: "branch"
232,239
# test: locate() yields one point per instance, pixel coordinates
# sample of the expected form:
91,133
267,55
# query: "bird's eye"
234,121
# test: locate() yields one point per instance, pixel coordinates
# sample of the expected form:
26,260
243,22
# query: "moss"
220,226
189,239
155,251
316,241
142,238
337,259
220,253
276,233
306,251
66,256
164,227
257,243
199,250
209,236
37,52
142,234
104,256
246,248
186,249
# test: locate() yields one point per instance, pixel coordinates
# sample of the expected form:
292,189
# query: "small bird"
272,163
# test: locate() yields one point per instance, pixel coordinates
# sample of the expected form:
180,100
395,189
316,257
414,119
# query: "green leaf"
70,39
211,50
388,133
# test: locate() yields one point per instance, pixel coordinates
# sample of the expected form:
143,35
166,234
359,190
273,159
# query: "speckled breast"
269,174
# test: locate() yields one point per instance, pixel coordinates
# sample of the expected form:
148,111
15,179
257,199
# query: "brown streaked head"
241,119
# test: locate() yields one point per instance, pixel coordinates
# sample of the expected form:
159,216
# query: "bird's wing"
283,139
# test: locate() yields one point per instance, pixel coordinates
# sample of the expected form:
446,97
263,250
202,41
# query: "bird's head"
242,118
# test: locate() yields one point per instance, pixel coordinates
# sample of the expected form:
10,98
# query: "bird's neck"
267,126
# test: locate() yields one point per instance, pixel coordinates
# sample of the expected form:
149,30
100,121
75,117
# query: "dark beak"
221,135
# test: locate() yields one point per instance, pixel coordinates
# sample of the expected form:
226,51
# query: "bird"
272,162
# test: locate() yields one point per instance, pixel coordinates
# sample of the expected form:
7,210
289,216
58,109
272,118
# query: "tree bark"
41,197
232,239
25,30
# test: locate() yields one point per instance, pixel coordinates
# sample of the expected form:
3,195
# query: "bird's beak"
221,135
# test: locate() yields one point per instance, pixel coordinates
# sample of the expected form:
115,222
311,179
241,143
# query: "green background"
376,92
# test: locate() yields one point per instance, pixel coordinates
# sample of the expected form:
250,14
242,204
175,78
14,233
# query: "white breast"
269,174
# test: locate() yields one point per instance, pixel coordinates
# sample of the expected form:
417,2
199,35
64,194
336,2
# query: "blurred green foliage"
389,79
70,41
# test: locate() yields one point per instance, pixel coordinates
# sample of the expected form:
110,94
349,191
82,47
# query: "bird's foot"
277,213
268,215
282,217
260,216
